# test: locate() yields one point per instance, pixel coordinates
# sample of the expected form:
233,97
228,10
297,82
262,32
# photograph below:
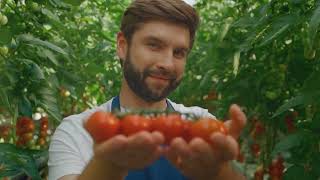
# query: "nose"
166,62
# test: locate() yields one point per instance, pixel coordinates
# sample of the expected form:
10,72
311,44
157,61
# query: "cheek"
141,56
180,67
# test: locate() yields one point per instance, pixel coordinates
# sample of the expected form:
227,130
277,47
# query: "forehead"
168,32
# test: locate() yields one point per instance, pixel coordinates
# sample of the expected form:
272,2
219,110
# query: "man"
155,39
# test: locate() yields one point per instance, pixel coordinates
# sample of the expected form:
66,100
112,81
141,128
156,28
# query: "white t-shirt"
71,146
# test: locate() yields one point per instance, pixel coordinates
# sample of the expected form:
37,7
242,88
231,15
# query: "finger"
181,146
111,146
224,147
158,137
143,141
202,152
238,121
201,147
173,157
142,147
184,157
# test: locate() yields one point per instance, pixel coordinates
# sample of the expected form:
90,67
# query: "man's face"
155,59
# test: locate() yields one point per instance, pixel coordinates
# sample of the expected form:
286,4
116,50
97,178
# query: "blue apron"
161,169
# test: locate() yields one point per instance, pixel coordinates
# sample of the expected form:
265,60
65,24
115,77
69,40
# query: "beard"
136,81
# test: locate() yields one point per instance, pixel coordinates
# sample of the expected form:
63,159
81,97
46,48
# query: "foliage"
58,57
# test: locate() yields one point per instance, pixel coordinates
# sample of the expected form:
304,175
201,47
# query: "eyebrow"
156,39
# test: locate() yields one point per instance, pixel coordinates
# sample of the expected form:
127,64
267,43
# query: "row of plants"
57,58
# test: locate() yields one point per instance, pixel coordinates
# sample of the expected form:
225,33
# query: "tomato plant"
262,55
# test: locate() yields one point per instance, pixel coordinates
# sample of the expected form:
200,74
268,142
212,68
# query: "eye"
180,53
153,45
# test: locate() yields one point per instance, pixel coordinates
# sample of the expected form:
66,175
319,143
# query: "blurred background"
57,58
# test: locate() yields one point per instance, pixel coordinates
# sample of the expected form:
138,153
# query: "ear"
122,46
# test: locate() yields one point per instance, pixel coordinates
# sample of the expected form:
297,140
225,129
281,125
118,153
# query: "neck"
128,99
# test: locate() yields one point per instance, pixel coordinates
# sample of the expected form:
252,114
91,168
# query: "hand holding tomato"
125,144
199,159
134,152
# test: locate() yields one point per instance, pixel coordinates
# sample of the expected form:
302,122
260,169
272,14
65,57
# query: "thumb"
237,121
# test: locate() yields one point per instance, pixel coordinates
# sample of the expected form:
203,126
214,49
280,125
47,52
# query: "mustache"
163,73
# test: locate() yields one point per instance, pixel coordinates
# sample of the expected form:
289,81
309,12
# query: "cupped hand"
134,152
201,160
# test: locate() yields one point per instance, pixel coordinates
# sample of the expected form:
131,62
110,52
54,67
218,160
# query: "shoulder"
195,110
71,145
77,120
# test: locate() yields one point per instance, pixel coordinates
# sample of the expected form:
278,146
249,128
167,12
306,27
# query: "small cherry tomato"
187,124
26,137
204,128
44,123
24,125
171,126
133,123
43,133
255,149
42,141
259,173
102,126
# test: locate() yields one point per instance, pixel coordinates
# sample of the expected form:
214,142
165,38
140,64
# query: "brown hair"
176,11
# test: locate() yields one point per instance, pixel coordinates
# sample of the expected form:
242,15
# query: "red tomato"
41,141
26,137
4,131
258,129
255,148
43,133
44,123
132,124
276,168
203,128
24,125
258,175
170,126
186,130
102,126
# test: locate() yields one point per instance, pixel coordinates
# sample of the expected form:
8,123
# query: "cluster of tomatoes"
5,132
43,131
24,130
104,125
275,170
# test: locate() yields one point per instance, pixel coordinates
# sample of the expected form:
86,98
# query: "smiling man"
155,39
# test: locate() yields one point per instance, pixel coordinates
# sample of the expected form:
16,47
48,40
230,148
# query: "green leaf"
49,102
48,54
4,99
291,103
29,39
51,15
36,72
245,22
73,2
287,143
17,161
24,106
207,78
314,25
5,35
295,172
273,35
311,84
